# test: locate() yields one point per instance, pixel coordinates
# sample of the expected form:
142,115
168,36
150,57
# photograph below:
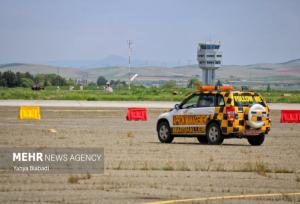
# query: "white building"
209,58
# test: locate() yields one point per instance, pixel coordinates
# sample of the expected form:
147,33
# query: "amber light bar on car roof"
215,88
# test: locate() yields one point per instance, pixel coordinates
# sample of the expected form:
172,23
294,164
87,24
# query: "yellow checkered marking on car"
239,124
190,119
188,130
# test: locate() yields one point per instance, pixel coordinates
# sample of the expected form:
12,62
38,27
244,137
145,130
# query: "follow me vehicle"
213,114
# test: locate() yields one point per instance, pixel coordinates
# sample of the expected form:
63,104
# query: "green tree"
26,82
39,79
28,75
10,79
50,79
101,81
58,81
18,78
2,83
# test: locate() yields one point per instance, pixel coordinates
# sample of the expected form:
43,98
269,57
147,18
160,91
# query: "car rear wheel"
164,132
214,135
256,140
202,139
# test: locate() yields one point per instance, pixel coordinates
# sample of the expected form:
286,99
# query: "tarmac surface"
140,169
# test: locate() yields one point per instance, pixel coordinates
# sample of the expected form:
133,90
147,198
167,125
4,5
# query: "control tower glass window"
210,46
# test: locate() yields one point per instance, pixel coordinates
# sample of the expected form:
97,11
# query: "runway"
226,197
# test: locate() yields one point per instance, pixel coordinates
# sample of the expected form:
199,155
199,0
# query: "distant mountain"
108,61
265,72
295,62
11,65
43,69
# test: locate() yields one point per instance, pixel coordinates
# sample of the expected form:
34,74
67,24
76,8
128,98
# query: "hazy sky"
251,31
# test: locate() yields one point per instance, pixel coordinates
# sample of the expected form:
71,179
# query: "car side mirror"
176,107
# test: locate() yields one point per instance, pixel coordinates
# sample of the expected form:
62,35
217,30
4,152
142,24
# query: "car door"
205,108
191,117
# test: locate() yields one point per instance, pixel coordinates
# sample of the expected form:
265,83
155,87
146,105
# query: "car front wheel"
164,132
214,135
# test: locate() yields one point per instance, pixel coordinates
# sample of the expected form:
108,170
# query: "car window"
247,99
220,100
206,100
191,102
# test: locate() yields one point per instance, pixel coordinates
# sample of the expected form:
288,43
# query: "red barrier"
137,114
290,116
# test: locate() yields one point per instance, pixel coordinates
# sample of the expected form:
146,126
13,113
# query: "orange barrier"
290,116
137,114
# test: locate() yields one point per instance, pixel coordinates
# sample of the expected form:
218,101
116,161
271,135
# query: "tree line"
101,80
18,79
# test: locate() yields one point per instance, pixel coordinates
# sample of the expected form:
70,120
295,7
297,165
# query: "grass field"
122,94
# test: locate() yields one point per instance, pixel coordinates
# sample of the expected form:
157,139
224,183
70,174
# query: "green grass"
135,94
122,94
278,97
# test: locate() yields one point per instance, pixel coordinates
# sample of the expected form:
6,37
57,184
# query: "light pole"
129,61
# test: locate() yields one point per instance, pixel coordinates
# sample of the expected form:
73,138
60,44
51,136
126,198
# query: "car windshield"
247,99
191,102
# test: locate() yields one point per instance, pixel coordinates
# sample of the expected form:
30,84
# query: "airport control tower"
209,58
